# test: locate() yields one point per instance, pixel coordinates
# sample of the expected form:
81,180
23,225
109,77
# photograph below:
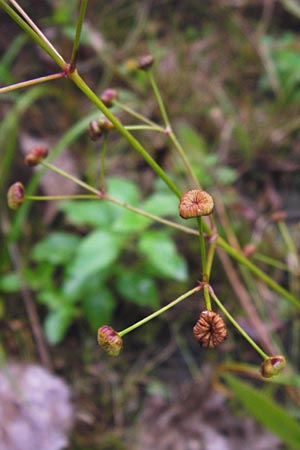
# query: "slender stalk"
207,297
169,129
39,38
290,245
80,19
202,248
35,81
102,161
81,84
33,26
44,198
143,127
270,261
237,326
160,311
210,257
137,115
72,178
159,99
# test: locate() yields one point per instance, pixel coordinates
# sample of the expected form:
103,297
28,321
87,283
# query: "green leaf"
130,222
163,204
57,323
56,248
98,307
161,253
191,140
96,252
271,415
10,282
95,213
137,288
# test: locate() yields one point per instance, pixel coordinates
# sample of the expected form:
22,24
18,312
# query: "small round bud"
210,329
95,131
248,250
145,62
108,96
15,195
109,340
272,366
36,155
105,124
195,203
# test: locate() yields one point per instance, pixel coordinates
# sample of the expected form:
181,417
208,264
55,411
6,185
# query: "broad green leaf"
10,282
137,288
96,252
123,190
161,204
57,323
98,307
56,248
75,287
271,415
130,222
95,213
161,253
191,140
53,299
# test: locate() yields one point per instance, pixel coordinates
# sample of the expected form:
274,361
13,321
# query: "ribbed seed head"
210,329
195,203
272,366
109,340
15,195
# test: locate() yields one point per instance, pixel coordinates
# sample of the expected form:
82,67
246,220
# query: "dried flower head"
145,62
108,96
36,155
272,366
195,203
210,329
15,195
109,340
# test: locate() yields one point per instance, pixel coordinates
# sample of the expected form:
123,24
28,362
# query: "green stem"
287,238
60,197
202,249
237,326
72,178
207,298
80,83
35,81
34,33
210,257
143,127
169,130
270,261
160,311
138,115
102,161
80,19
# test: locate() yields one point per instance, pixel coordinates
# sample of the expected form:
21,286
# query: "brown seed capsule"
272,366
15,195
210,329
36,155
109,340
95,131
195,203
145,62
108,96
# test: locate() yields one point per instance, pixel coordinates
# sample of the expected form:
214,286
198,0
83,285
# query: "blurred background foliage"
229,74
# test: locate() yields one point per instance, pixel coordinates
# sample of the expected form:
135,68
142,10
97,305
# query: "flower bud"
195,203
36,155
108,96
95,131
109,340
210,329
105,124
272,366
15,195
145,62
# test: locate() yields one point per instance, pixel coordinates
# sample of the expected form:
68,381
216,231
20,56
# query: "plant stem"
270,261
202,248
143,127
72,178
237,326
169,129
34,33
80,19
35,81
210,257
207,298
80,83
160,311
42,198
137,115
102,161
